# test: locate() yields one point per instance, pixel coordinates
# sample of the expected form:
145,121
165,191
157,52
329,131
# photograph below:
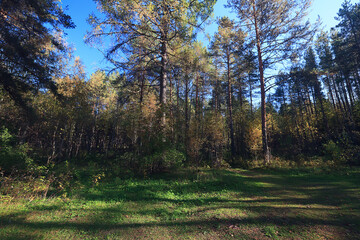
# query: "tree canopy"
28,43
267,84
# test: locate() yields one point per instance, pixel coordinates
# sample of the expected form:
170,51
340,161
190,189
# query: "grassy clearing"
211,204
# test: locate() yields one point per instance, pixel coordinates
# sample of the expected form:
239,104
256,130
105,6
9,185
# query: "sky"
93,59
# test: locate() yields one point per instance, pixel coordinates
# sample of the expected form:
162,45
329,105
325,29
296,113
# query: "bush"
25,186
13,156
172,159
332,151
168,159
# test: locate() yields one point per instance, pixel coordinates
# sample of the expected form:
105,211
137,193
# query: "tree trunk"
266,149
345,96
342,109
349,90
163,79
216,93
142,85
251,98
357,83
231,127
330,90
240,94
186,112
197,98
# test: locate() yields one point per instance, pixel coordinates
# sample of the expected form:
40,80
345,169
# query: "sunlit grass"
233,204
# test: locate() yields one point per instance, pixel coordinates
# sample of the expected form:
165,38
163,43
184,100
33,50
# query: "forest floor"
210,204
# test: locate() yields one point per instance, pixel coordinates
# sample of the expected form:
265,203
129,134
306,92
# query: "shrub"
168,159
172,159
13,156
332,151
25,186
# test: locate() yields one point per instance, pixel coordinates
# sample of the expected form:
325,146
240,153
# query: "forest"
180,139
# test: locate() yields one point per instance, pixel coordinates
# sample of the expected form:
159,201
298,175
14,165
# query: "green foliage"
332,151
64,180
271,232
168,159
121,125
30,51
13,156
25,186
90,174
172,159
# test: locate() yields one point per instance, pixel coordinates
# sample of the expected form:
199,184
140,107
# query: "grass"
210,204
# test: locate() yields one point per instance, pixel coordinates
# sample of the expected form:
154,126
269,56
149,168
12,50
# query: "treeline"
172,102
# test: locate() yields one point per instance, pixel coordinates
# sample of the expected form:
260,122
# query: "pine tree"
226,46
276,26
158,23
27,45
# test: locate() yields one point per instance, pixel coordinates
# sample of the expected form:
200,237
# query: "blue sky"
79,11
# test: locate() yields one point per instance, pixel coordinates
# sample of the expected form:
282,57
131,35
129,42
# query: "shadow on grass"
263,220
304,189
269,197
153,190
20,236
